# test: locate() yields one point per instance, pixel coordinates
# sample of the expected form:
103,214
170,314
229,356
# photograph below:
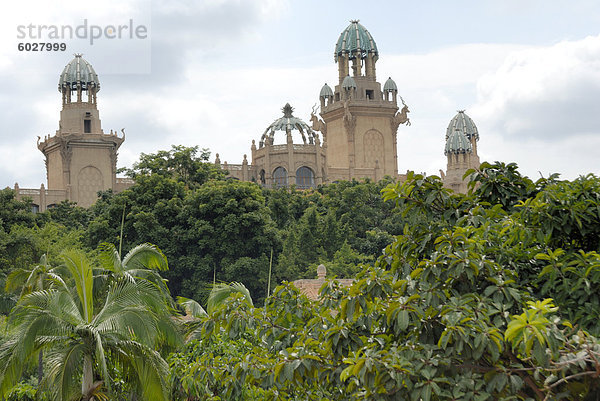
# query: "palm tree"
143,262
83,341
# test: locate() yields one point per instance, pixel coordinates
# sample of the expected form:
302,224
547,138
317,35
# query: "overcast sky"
216,74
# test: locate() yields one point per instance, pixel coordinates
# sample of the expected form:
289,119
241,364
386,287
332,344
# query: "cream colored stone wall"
73,114
55,173
457,165
90,172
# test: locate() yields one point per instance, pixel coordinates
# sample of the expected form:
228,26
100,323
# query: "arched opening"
280,178
261,177
305,178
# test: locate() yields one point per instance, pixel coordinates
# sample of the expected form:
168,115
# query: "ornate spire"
287,110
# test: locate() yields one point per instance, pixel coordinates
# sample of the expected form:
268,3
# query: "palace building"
354,136
80,158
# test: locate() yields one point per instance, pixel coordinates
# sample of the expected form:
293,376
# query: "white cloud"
550,92
216,83
539,108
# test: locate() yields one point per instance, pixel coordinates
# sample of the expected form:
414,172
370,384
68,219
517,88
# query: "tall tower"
461,150
80,158
361,120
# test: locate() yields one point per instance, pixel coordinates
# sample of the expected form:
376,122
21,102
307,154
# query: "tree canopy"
490,295
482,297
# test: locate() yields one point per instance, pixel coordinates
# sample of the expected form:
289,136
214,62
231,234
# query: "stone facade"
358,123
354,136
280,165
80,158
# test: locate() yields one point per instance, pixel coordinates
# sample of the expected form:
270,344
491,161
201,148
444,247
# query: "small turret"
461,150
390,88
326,95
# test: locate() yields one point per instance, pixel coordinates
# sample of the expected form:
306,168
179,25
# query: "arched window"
305,178
280,177
261,177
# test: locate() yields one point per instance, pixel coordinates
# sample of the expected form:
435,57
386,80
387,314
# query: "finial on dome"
287,110
354,21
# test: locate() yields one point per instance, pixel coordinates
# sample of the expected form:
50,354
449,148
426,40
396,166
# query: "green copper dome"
288,123
463,123
326,91
390,85
356,41
457,142
78,72
348,83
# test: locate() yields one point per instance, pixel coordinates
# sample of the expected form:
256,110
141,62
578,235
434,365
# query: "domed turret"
78,76
349,83
288,123
78,72
390,86
357,45
390,90
80,158
325,96
349,87
356,41
456,143
326,91
463,123
461,151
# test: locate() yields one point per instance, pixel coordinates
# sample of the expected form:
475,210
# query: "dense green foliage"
88,319
212,228
482,297
490,295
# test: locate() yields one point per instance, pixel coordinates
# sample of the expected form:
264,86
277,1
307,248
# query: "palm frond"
63,365
169,335
109,258
101,358
16,279
81,271
150,368
31,329
145,256
221,291
129,305
11,365
191,307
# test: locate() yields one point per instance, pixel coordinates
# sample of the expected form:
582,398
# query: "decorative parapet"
41,198
234,167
